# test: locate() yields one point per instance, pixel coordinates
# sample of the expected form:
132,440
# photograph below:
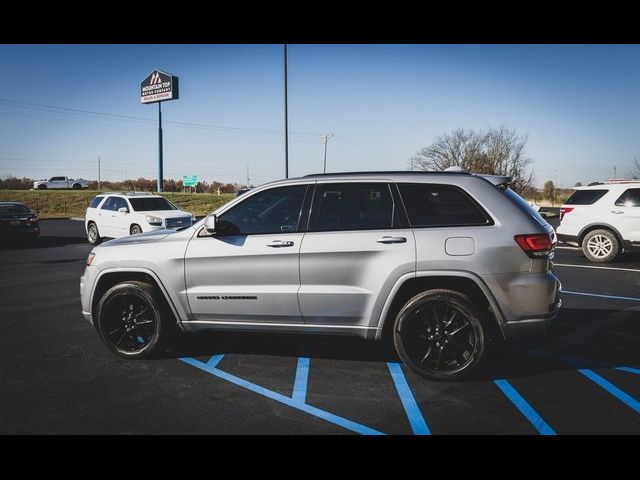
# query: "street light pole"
326,138
99,174
286,119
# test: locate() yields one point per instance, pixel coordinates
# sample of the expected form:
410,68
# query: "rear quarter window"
430,205
630,198
96,201
585,197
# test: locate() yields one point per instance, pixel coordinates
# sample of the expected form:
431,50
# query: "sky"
579,106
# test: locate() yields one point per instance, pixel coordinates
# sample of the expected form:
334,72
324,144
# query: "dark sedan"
17,222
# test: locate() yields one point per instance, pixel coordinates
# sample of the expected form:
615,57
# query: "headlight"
154,220
90,259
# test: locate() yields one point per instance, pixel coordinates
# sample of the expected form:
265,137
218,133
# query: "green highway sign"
190,180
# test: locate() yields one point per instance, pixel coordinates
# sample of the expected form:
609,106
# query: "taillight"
564,211
31,219
535,246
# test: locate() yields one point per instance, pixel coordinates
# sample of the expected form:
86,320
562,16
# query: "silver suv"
437,262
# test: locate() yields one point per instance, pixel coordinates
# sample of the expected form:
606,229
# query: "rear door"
357,245
626,214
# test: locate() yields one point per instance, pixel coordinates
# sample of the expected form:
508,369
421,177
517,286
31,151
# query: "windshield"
152,203
13,209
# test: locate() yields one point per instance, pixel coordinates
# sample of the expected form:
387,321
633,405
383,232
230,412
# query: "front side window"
352,206
276,210
630,198
150,204
56,179
119,203
108,204
440,205
95,202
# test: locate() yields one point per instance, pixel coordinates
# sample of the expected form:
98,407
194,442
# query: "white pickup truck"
61,182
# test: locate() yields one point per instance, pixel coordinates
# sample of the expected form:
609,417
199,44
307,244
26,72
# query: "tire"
438,334
134,321
135,229
600,246
77,186
93,234
42,187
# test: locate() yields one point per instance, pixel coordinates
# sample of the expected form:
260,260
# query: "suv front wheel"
438,334
600,246
133,320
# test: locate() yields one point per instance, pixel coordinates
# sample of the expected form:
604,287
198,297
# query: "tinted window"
276,210
108,204
435,205
95,202
56,179
585,197
15,208
352,206
152,203
119,203
630,198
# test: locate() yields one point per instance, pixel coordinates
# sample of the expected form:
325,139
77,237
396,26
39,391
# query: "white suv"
115,215
603,219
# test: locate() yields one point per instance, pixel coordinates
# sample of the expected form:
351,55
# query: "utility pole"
326,138
247,176
98,173
614,172
286,119
160,180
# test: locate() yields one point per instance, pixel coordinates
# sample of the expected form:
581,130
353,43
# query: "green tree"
549,191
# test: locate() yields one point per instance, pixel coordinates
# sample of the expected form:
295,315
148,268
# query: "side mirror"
210,223
123,210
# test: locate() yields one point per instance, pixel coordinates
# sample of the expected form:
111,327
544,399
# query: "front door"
357,246
249,270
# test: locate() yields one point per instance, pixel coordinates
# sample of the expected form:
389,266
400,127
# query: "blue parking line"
611,388
599,295
416,420
278,397
527,410
628,369
300,383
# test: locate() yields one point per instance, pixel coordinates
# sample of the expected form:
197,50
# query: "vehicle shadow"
580,338
44,241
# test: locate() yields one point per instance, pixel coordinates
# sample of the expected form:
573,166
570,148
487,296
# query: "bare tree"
496,151
635,168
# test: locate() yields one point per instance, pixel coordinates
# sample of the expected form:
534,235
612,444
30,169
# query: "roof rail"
129,194
386,172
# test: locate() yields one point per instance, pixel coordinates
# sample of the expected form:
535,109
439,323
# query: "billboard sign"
159,86
190,180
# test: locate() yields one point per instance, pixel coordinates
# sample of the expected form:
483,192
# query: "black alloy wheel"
438,335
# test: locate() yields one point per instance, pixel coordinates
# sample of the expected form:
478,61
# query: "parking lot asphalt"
57,377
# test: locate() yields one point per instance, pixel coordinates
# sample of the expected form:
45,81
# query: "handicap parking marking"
300,383
569,265
293,401
416,420
611,388
600,295
524,407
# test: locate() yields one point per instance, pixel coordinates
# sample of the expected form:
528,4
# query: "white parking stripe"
600,268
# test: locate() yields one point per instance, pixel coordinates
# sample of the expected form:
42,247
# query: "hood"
164,213
154,236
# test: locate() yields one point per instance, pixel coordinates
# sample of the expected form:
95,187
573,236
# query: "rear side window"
440,205
630,198
95,202
585,197
352,206
523,205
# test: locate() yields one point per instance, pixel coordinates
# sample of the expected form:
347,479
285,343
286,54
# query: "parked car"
119,214
18,222
603,219
438,262
61,183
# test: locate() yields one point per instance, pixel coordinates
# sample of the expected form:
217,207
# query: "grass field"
73,203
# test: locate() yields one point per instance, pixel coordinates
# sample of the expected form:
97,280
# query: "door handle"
391,240
617,212
280,243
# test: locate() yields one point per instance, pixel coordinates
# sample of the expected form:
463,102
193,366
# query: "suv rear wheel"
133,320
438,334
600,246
